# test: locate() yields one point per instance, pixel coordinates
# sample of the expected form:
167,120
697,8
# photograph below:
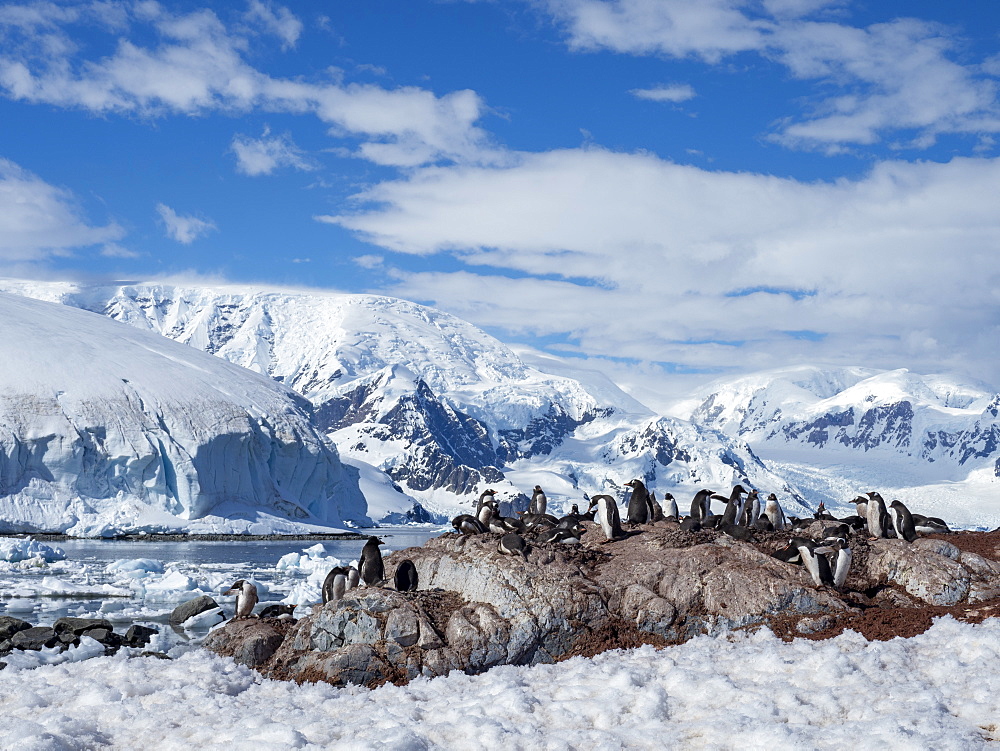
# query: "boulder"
79,626
139,636
191,608
249,641
10,626
36,638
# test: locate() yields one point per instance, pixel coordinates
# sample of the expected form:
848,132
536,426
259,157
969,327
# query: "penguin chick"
335,584
280,611
246,597
405,578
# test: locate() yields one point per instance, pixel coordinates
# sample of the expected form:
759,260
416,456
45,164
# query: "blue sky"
659,186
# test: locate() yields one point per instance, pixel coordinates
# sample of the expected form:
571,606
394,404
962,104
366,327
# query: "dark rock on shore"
191,608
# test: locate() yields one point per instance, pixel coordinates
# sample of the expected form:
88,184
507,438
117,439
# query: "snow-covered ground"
939,690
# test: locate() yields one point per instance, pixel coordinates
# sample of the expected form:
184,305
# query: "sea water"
141,582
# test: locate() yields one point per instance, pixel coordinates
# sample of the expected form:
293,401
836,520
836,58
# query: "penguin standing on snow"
609,518
902,521
638,503
370,564
246,597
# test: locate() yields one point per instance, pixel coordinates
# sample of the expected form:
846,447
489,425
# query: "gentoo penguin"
246,597
822,513
335,584
486,495
671,507
467,524
638,503
487,510
902,521
690,524
817,565
877,516
861,503
512,544
405,578
280,611
370,564
772,510
609,518
655,509
591,512
734,506
353,578
569,535
751,509
929,525
737,531
701,505
538,501
841,563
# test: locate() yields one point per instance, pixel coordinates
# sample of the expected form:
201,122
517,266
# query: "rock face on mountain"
441,407
106,429
476,609
854,410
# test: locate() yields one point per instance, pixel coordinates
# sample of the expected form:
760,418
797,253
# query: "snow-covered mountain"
839,431
105,428
439,406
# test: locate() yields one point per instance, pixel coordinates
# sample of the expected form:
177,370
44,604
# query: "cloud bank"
627,255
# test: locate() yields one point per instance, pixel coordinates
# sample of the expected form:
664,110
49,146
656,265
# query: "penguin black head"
772,497
373,540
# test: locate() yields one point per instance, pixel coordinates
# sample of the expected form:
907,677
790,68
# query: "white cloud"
183,229
632,256
901,76
39,220
197,65
678,92
264,155
114,250
277,20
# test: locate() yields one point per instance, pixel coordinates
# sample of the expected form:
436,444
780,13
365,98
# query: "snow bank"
939,690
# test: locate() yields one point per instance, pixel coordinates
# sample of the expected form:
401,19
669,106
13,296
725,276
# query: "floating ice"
16,550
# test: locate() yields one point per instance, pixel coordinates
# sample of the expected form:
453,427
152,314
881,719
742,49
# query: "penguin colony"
828,559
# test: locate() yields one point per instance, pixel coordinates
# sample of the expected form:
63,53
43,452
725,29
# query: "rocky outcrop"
67,632
477,609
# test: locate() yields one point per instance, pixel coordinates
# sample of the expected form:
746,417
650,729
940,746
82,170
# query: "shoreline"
181,537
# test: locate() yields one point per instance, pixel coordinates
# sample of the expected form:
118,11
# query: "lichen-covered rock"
249,641
924,569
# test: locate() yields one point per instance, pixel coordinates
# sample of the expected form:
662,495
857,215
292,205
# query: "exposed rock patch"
476,608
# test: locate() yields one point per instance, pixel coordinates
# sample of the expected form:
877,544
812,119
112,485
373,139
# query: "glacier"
439,406
106,429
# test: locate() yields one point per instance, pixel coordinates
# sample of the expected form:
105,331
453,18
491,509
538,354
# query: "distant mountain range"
431,410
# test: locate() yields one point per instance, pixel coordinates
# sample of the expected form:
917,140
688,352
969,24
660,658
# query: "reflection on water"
26,592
